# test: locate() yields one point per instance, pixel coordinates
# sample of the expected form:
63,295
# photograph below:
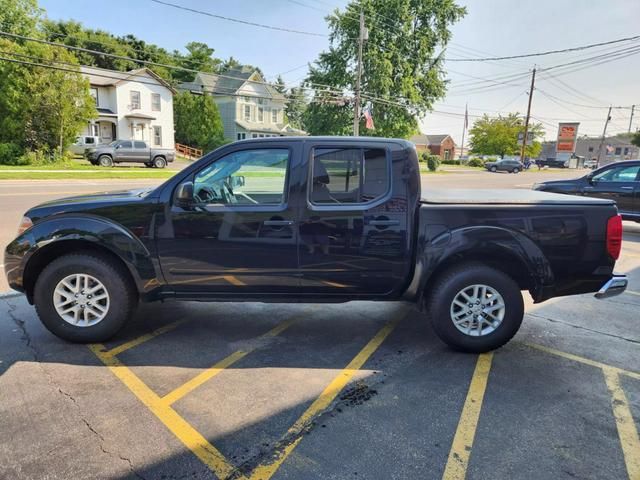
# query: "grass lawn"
79,172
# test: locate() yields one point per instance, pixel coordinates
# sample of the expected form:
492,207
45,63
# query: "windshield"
114,143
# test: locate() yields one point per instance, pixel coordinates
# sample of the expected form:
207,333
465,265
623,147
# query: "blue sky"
496,27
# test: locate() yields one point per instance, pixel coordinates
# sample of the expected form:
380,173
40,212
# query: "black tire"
159,162
105,161
148,164
116,281
493,169
446,288
515,170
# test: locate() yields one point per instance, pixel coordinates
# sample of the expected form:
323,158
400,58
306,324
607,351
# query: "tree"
279,85
199,57
635,139
402,67
499,136
197,121
42,108
295,107
19,17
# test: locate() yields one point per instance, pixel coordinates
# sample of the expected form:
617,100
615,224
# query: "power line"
237,20
548,52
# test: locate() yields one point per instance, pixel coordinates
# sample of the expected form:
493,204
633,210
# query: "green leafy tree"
296,107
42,108
199,57
279,85
635,139
499,136
197,121
19,16
402,65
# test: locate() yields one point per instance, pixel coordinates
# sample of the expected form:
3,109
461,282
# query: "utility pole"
356,107
526,122
631,119
464,129
604,134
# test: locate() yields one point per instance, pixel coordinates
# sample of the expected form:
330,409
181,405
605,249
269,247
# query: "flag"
368,117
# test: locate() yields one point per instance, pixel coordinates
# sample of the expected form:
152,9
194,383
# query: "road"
351,391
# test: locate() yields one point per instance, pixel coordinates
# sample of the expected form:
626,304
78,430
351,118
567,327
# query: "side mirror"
118,146
591,180
184,193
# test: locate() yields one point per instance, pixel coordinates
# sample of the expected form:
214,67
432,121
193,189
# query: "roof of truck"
331,139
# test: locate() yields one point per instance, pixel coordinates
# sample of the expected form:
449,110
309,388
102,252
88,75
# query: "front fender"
438,246
50,234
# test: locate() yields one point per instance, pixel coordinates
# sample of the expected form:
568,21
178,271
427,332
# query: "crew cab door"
619,183
123,151
353,225
238,236
140,152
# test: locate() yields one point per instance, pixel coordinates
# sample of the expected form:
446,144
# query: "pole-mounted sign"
567,137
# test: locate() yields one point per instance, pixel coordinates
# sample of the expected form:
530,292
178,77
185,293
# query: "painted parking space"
359,390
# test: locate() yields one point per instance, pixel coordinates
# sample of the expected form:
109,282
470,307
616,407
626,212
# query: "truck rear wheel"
83,298
159,162
475,308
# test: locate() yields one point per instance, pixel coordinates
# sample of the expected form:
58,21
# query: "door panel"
353,230
617,183
125,151
240,235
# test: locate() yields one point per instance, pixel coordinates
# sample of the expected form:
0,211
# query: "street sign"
567,136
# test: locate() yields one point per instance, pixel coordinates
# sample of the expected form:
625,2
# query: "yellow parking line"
627,431
586,361
460,452
188,435
143,338
209,373
233,280
264,472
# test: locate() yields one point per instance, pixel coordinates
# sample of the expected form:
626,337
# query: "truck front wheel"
475,308
84,298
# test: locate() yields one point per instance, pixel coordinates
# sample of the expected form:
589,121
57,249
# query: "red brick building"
441,145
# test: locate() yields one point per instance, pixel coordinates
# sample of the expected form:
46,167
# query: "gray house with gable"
249,107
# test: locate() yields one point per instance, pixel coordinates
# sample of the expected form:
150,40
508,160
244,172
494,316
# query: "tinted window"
247,177
350,175
89,140
618,174
125,144
140,144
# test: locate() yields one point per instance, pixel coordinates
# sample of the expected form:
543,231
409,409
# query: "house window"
618,150
134,98
242,136
93,129
260,114
447,154
254,135
155,102
591,149
274,116
626,150
94,93
157,135
247,113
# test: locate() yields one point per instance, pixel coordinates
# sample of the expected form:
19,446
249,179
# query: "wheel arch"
95,236
508,251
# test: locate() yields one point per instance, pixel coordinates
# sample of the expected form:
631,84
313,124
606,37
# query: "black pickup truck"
309,219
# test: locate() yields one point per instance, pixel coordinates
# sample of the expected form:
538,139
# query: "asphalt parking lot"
358,390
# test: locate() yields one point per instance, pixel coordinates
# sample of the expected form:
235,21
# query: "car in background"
592,164
552,162
505,165
82,143
619,181
135,151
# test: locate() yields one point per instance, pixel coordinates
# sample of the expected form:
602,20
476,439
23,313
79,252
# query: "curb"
10,293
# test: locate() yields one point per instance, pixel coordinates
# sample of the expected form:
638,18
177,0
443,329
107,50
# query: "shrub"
44,156
475,162
433,162
10,154
451,162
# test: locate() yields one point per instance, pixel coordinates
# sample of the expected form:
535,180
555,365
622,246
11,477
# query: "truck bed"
505,197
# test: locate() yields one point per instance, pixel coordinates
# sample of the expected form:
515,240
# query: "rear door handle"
278,223
384,223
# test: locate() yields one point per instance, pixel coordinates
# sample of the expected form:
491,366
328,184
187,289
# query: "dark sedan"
511,166
618,181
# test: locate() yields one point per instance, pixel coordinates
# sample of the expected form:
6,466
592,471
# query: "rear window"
140,144
349,175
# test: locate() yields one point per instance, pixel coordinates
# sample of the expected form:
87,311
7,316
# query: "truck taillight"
614,236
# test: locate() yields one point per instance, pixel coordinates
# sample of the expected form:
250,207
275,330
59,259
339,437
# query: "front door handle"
278,223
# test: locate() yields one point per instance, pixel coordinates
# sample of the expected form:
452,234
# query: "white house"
131,105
